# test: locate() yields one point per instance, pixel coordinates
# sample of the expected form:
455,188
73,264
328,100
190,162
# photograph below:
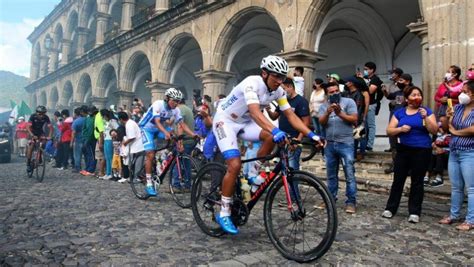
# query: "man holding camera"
337,116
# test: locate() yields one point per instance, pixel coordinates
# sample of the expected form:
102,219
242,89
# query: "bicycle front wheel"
206,198
181,179
40,166
308,233
138,184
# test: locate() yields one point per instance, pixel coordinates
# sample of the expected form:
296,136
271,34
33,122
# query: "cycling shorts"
226,132
148,138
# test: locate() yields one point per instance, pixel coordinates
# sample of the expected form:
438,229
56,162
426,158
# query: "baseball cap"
334,75
353,80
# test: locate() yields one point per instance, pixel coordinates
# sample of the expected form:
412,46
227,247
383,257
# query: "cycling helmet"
41,109
174,93
274,64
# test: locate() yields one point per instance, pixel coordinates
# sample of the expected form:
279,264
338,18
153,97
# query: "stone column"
124,99
213,82
161,6
81,40
65,52
420,28
157,90
99,102
102,21
53,62
76,104
306,59
128,10
44,65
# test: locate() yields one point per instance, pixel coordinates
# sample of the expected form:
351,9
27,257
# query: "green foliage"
12,87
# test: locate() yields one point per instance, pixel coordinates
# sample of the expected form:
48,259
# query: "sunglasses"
278,77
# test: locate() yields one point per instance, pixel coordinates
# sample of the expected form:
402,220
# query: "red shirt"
452,93
22,130
66,131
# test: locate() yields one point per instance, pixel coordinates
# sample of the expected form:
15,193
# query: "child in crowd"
116,163
439,159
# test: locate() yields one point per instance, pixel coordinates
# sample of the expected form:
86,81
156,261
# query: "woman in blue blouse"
412,126
461,158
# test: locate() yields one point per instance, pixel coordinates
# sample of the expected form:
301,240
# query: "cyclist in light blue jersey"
153,126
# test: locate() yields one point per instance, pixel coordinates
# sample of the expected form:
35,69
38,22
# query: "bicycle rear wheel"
138,184
206,196
308,234
40,165
184,176
32,165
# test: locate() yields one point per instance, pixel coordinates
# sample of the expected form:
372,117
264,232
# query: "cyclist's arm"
183,127
306,121
296,122
160,126
259,118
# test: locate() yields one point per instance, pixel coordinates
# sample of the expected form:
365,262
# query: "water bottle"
245,190
257,181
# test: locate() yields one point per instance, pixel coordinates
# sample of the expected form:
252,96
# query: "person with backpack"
89,142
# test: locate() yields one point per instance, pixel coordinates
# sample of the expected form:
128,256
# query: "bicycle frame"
282,166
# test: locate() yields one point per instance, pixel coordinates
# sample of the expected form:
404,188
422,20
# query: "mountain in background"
12,87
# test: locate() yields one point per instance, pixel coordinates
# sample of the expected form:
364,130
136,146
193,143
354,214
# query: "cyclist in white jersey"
240,114
152,126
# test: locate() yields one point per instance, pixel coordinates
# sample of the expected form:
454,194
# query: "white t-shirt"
252,90
133,131
299,85
159,109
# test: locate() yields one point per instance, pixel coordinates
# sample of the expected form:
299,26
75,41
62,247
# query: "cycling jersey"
252,90
39,124
233,118
159,109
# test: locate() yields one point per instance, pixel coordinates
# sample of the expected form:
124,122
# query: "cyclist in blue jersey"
240,115
152,126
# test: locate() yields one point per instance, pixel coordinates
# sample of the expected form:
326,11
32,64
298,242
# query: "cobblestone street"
69,220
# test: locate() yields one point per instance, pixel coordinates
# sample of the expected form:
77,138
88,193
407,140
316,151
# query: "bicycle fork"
295,214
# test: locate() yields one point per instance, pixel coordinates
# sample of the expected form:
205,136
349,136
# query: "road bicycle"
37,162
177,164
294,221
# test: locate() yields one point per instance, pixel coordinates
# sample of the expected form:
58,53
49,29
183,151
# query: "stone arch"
53,98
35,64
371,28
113,26
92,28
71,33
136,72
58,42
87,10
226,47
42,100
107,84
33,102
182,58
84,89
312,21
67,95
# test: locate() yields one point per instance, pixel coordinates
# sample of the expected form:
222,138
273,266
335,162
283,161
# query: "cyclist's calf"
233,170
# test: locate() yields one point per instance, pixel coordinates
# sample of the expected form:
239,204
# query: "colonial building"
108,51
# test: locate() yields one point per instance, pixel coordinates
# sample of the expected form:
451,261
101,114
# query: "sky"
18,18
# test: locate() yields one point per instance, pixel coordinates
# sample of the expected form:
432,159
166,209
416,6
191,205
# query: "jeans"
416,161
77,150
89,150
335,152
371,124
63,154
461,174
188,148
108,154
294,163
362,143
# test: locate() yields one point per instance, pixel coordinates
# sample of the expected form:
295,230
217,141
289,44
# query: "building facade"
106,52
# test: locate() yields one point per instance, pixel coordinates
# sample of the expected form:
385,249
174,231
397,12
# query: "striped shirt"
462,143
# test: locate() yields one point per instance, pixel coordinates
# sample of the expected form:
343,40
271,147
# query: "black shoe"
388,150
438,181
115,178
28,168
388,170
369,149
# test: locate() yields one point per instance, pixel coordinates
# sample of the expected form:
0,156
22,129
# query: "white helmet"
275,64
174,93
